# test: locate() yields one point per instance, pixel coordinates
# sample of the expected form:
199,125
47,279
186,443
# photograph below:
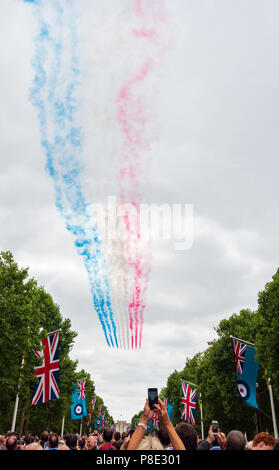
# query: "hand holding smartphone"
152,398
214,425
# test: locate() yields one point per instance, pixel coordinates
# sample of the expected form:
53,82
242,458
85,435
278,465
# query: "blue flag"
170,410
150,426
78,408
246,372
98,422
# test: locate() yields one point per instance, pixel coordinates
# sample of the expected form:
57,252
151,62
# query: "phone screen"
214,427
152,397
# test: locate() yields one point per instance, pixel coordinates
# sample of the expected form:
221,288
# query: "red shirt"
108,447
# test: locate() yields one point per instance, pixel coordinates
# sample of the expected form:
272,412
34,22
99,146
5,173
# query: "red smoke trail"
133,121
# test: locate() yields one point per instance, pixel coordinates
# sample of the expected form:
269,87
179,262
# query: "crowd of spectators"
181,437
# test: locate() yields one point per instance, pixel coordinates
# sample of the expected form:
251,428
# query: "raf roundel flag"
246,372
78,408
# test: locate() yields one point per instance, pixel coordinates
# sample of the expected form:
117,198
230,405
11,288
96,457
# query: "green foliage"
267,338
214,373
27,314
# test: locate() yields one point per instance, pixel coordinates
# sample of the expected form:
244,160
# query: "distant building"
122,426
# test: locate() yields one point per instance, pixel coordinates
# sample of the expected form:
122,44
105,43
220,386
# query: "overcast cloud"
214,132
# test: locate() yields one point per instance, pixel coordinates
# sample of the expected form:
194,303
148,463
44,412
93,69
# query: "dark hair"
118,444
29,439
188,435
163,437
71,440
44,436
11,443
53,441
81,443
117,436
107,435
235,441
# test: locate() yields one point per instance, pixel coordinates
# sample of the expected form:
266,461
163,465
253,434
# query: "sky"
211,103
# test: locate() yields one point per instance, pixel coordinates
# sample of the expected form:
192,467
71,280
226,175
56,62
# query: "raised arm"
139,432
165,421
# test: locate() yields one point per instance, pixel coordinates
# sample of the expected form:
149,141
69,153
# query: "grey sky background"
214,132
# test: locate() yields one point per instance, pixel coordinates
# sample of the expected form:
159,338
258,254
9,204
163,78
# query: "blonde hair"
150,443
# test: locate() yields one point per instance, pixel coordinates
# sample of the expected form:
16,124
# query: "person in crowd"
44,439
150,443
92,443
72,441
28,439
136,439
62,446
33,446
82,444
52,443
164,439
107,438
213,441
125,442
235,441
188,435
117,441
276,445
11,443
2,443
263,441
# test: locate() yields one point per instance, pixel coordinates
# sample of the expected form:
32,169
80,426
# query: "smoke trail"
132,119
53,93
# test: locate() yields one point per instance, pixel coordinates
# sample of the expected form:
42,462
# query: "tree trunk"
21,421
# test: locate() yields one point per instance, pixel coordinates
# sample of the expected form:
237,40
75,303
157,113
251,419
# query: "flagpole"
242,341
17,398
272,410
52,332
190,383
62,428
202,429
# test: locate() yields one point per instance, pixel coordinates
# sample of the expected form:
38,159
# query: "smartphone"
152,397
214,426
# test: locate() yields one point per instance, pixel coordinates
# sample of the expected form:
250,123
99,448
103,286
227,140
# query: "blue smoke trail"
53,93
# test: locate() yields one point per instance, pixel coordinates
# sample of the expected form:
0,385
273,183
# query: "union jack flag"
156,421
81,388
239,349
92,404
48,372
189,402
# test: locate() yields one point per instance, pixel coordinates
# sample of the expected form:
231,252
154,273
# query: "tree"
19,324
267,336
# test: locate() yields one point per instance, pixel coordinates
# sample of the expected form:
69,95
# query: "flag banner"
246,372
99,419
188,403
81,388
78,408
169,407
47,388
170,410
91,408
149,427
156,421
93,403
